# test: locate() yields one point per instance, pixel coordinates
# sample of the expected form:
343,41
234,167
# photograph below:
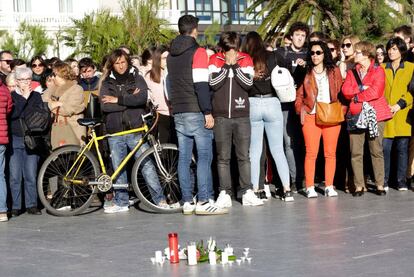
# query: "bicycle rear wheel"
64,198
167,172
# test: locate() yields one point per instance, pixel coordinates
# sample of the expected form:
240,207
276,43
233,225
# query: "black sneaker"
15,212
34,211
261,194
293,188
288,196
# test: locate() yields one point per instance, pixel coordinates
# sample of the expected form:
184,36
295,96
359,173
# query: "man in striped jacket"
231,76
191,105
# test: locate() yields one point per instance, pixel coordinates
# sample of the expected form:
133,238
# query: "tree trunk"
346,17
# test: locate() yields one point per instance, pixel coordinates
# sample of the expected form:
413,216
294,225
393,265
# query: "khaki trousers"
357,140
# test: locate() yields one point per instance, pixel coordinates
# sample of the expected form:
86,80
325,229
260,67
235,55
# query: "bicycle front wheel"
60,195
166,185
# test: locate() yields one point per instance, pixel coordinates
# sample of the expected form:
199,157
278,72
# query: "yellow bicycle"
72,175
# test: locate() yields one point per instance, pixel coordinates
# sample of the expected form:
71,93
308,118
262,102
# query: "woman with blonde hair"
65,100
348,52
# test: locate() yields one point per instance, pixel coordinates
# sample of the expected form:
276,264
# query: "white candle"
192,254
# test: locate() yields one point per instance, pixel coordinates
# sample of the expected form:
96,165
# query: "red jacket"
374,94
308,91
6,105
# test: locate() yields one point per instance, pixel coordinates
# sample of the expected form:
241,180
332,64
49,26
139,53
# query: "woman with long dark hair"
155,78
321,85
38,66
265,113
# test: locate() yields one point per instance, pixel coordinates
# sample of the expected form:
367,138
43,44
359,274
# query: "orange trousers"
312,134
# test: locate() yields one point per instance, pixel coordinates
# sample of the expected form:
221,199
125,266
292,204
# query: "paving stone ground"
344,236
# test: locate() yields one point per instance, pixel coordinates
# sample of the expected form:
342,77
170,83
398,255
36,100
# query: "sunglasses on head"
316,53
34,65
347,45
7,61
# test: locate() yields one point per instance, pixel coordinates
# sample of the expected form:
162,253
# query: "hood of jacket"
181,44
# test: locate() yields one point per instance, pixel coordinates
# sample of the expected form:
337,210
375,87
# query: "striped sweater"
231,84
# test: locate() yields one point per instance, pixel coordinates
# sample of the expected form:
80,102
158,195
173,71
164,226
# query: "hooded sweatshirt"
188,76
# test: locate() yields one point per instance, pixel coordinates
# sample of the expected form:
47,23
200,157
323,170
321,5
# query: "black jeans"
228,132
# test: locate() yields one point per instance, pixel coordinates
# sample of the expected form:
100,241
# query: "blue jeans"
293,142
266,115
119,147
401,144
23,166
3,186
190,128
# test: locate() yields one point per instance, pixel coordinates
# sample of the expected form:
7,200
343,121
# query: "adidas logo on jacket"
230,84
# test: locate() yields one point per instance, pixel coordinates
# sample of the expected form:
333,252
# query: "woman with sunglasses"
348,52
322,84
380,55
335,47
371,91
38,67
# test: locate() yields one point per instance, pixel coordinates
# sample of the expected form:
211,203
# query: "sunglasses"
34,65
347,45
7,61
332,49
316,53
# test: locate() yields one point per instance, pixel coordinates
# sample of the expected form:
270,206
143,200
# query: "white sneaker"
311,193
3,217
65,208
330,191
267,191
250,199
188,208
223,200
116,209
175,205
163,204
209,209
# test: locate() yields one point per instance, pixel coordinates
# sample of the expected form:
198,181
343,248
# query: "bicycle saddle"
89,122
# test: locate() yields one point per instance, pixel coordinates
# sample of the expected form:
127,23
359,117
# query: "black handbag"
32,142
40,120
352,119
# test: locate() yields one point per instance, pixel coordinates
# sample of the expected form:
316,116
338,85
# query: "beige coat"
73,106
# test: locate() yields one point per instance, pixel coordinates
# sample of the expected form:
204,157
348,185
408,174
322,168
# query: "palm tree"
367,18
279,14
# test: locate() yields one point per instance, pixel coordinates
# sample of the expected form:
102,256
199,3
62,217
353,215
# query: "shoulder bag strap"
358,79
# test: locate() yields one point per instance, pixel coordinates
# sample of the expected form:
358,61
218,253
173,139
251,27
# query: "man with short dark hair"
6,57
406,33
294,59
191,105
231,76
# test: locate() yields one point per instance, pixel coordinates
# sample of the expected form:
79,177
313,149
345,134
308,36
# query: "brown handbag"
62,133
329,113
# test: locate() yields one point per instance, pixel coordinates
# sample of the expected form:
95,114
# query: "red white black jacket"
230,84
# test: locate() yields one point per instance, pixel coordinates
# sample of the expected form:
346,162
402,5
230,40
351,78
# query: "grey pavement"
344,236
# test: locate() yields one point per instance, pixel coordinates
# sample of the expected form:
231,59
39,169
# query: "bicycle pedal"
120,186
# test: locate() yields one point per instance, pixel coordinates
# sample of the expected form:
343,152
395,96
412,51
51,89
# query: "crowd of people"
354,95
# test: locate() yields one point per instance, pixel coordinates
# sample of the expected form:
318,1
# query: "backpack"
283,83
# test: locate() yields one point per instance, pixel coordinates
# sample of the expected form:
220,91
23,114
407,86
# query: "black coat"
21,108
126,114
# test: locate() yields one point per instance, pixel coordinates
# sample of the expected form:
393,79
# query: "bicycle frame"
94,142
